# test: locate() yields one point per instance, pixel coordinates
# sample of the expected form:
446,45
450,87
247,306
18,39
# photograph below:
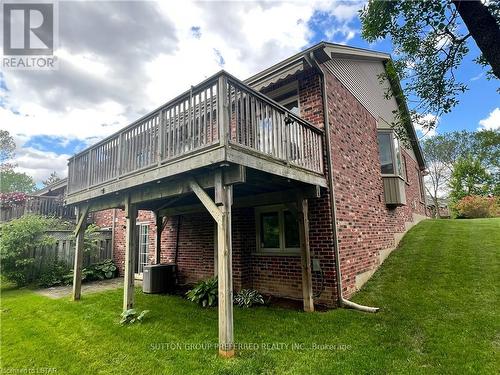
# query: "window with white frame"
143,246
390,154
277,230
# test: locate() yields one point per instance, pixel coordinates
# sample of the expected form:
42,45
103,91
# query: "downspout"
342,301
177,239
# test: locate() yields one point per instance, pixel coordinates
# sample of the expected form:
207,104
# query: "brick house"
279,183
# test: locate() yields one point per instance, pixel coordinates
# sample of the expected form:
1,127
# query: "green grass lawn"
438,295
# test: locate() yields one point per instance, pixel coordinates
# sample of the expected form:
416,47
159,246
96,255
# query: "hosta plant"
131,316
204,293
100,271
248,297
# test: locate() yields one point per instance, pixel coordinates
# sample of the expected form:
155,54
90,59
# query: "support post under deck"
128,287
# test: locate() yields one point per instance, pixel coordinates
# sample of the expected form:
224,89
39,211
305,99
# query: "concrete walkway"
90,287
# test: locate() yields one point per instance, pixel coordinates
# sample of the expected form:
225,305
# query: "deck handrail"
149,114
197,120
39,205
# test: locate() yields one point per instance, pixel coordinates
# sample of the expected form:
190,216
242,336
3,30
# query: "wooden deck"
221,143
219,121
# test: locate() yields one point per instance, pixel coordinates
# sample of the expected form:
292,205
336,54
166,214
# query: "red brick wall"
105,219
365,224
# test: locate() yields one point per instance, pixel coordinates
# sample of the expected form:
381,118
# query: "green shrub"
248,297
17,238
204,293
99,271
130,316
55,274
90,243
477,206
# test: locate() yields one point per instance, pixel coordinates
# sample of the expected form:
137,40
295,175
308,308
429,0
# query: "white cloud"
40,164
476,77
113,70
492,122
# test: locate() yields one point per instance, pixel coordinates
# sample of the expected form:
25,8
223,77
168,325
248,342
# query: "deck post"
221,212
305,252
225,270
80,235
128,290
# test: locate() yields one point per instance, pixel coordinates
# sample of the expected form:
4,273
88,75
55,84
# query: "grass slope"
438,295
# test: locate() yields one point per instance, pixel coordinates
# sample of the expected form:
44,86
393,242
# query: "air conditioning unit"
159,278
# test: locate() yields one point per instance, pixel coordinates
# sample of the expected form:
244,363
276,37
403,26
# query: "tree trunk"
483,28
436,205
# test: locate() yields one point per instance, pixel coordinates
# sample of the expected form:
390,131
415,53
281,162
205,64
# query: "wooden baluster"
190,118
187,136
205,119
161,136
177,129
223,110
166,140
89,168
119,155
210,136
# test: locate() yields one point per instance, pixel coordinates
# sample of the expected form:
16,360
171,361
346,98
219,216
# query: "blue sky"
113,70
475,104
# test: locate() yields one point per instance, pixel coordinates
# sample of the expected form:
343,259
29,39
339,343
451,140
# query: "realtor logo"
29,31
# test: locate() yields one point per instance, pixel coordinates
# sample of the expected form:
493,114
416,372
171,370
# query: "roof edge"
55,185
403,107
329,49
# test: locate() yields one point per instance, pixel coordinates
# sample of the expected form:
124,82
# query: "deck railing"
39,205
262,125
195,121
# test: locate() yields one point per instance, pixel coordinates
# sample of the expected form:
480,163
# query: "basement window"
277,231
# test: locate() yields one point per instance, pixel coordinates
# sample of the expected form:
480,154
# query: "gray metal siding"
361,78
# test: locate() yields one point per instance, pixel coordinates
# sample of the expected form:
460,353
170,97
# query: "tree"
486,147
7,147
431,39
17,238
443,151
51,179
469,177
11,181
437,151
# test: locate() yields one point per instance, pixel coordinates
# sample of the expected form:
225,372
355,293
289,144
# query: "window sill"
287,253
392,176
